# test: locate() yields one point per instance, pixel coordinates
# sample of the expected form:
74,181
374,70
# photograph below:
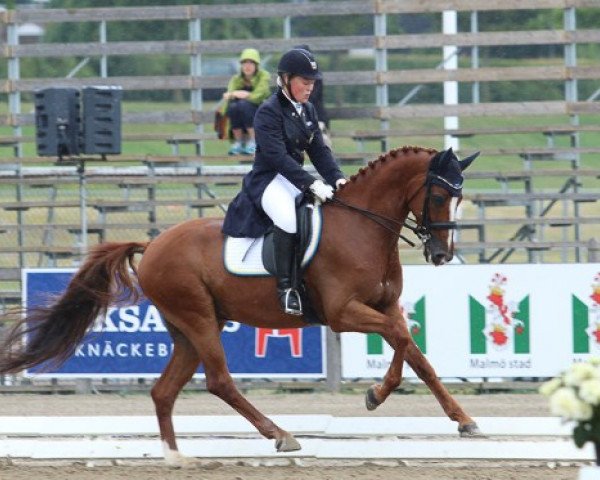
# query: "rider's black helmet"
299,62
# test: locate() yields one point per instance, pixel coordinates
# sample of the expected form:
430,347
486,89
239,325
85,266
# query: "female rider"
286,126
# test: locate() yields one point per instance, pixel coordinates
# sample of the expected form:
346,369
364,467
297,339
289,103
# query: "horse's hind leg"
196,319
179,371
419,363
220,383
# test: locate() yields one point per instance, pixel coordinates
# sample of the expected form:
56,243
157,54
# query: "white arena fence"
321,437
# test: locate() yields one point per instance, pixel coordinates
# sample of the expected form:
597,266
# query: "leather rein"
422,231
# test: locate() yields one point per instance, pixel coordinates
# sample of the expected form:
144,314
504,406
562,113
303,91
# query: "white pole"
449,27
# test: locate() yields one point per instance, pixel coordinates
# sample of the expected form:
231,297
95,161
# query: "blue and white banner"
132,341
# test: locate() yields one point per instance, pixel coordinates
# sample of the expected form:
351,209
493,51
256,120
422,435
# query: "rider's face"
301,88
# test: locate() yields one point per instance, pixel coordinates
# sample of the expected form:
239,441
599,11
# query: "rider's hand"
339,182
321,190
241,94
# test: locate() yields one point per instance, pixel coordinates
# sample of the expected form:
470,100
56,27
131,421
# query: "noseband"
422,230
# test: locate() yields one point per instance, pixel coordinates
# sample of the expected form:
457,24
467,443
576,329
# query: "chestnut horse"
354,283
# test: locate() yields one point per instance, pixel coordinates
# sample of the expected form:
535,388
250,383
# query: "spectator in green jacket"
245,92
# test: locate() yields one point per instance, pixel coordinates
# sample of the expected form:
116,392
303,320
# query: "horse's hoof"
174,459
287,444
469,430
371,401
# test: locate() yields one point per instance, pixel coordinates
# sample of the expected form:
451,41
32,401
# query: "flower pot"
592,472
589,473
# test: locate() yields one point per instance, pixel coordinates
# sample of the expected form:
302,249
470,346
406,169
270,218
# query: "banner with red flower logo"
478,321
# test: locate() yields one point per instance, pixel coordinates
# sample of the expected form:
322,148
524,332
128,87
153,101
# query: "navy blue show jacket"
282,137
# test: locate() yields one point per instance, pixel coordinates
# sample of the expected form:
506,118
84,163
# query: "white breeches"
278,202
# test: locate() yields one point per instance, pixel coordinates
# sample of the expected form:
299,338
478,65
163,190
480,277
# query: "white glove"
322,191
340,182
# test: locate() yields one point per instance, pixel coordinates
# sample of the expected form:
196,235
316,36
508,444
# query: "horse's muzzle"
437,251
441,258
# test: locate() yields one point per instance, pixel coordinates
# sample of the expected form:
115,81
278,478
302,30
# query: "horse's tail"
51,333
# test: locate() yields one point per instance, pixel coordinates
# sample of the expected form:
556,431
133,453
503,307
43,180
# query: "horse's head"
436,202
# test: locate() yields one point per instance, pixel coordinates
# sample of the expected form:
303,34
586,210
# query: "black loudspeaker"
101,120
57,121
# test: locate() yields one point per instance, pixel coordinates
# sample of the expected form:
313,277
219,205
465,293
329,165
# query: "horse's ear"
447,155
441,159
465,162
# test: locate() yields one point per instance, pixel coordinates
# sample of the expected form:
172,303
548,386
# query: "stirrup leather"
287,294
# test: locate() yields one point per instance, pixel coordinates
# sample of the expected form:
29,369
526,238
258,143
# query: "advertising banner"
490,321
132,341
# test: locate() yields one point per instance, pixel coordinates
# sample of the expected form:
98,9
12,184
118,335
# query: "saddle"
254,257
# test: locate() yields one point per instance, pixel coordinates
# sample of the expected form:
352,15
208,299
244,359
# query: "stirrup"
288,292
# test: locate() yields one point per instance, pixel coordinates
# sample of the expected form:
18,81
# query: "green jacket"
261,89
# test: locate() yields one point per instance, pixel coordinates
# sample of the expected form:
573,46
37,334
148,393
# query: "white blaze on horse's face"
452,206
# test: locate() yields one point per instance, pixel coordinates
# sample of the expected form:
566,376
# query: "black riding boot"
285,246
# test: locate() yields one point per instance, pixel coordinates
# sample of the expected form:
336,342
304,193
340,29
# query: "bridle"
422,230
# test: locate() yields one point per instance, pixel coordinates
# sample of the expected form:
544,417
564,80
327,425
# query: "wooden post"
334,361
450,62
593,251
83,386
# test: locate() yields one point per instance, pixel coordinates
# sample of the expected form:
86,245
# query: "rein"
422,231
389,224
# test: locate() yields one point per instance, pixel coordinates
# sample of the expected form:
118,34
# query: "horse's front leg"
419,363
358,317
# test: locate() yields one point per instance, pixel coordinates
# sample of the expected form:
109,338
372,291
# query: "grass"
217,147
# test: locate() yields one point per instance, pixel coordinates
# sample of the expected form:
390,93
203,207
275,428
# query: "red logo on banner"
262,339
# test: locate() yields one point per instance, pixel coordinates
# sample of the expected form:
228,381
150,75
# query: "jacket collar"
289,106
290,110
287,101
297,105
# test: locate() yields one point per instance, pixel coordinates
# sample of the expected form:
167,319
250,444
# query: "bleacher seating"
547,209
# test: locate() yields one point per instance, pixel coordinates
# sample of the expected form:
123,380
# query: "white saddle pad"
243,256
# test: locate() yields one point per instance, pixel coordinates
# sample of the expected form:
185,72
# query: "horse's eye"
438,200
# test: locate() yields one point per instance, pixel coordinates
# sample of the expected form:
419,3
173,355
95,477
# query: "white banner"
490,321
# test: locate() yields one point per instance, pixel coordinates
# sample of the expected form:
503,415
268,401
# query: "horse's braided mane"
392,154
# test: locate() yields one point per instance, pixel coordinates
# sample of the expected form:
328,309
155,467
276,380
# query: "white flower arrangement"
575,396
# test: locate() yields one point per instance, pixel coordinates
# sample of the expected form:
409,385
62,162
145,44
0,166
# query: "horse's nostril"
439,258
